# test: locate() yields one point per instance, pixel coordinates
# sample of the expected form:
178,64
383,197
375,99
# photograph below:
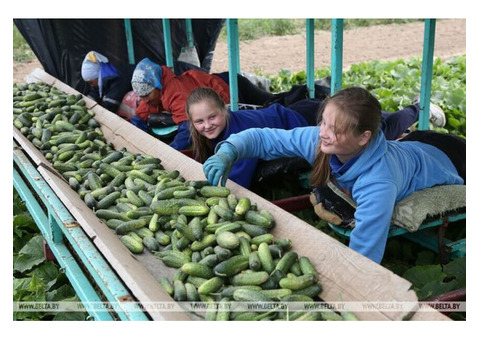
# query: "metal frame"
72,248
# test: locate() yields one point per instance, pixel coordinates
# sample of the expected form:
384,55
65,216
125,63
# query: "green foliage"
34,278
395,83
249,29
433,280
21,50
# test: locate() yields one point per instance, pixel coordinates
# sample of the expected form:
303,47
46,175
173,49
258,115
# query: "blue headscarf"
146,77
97,66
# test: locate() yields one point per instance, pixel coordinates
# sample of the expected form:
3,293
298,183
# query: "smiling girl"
211,122
348,148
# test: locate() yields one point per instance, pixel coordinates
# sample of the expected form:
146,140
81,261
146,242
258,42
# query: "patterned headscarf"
146,77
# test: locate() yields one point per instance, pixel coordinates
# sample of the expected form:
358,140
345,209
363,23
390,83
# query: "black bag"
159,120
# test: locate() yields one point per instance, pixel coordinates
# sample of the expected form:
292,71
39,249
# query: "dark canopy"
61,44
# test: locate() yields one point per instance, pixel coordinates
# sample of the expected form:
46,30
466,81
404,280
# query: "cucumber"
231,266
298,282
242,206
227,239
128,226
250,278
266,258
166,285
245,248
165,207
307,267
132,244
192,294
249,295
108,200
254,262
254,217
179,291
102,191
277,294
253,230
197,269
223,212
151,243
207,241
162,238
211,286
228,291
214,191
141,175
134,199
194,210
286,262
311,291
264,238
222,253
106,214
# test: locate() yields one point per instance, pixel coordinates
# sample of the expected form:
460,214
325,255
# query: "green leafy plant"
34,278
395,83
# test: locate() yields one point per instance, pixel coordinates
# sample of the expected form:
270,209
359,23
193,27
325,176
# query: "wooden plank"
135,271
344,274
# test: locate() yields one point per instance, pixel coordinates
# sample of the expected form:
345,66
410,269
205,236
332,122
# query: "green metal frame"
233,61
337,56
71,247
167,38
129,38
310,28
427,74
423,236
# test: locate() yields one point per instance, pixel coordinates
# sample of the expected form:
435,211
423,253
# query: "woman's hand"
219,165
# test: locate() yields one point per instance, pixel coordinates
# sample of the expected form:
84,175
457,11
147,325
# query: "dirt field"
390,42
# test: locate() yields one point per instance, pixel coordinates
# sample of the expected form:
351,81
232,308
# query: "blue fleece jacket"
383,174
274,116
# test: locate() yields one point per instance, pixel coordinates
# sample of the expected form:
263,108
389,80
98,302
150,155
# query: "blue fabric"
106,70
149,73
274,116
395,124
139,122
384,173
219,165
182,140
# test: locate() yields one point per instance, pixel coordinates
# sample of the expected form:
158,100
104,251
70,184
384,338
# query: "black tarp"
61,44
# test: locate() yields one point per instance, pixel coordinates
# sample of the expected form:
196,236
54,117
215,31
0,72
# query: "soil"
269,55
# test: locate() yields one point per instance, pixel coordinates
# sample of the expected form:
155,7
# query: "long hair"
359,111
202,146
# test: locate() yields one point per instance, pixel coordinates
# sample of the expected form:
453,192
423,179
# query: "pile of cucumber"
221,245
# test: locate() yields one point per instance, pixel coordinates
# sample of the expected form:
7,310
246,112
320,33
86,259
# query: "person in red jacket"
161,90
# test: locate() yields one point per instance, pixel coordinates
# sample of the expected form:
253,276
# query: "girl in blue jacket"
348,148
211,123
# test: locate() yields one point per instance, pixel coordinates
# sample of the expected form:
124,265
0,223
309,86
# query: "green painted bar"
427,74
129,37
337,55
167,38
54,228
310,25
233,61
189,29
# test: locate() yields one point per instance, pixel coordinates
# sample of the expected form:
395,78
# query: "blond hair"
202,146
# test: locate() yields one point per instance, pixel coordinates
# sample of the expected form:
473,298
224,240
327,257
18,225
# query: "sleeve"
276,143
375,203
143,110
114,95
182,138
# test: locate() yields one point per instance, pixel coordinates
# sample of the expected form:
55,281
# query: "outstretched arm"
260,143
